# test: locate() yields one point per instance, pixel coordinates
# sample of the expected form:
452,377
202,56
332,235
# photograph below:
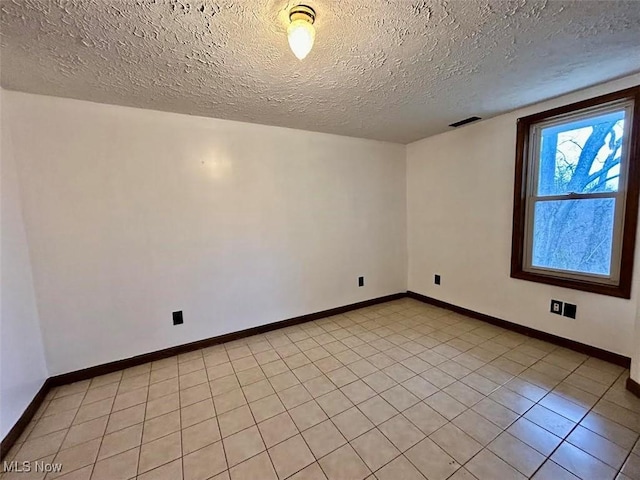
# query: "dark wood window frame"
623,287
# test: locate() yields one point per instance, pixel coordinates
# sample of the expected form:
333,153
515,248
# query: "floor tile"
488,466
258,390
290,456
431,460
307,372
200,435
599,447
312,472
277,429
464,393
307,415
352,423
477,427
581,463
631,467
445,404
120,441
160,426
283,381
375,449
202,392
334,402
358,391
243,445
401,432
511,400
425,418
400,398
258,467
159,452
122,466
162,405
610,430
480,383
86,431
420,387
83,473
517,454
323,438
556,424
576,395
399,469
163,379
229,400
78,456
496,413
399,372
294,396
266,408
125,418
341,376
52,423
618,414
319,386
552,471
564,407
535,436
456,443
41,446
377,410
526,389
123,400
379,381
344,463
235,420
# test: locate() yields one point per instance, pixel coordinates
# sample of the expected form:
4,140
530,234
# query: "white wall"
22,362
132,214
460,205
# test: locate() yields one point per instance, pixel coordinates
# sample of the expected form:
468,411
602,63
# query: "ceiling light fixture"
301,32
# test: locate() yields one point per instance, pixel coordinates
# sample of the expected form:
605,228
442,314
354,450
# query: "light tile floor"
397,391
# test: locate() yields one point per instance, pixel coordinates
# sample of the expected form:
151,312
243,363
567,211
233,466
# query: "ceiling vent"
465,121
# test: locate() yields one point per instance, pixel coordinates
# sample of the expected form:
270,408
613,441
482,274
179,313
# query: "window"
576,194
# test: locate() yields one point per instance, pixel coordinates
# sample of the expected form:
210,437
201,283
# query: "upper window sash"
586,116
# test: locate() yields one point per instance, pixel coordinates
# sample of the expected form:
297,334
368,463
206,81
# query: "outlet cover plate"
570,310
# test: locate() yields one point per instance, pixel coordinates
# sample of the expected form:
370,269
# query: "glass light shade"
301,36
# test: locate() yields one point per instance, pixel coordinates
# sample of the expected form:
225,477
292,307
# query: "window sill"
620,291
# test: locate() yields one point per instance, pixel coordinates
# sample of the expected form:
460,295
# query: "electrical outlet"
177,318
436,279
570,310
361,281
556,307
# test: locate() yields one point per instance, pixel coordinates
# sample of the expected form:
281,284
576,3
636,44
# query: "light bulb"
301,36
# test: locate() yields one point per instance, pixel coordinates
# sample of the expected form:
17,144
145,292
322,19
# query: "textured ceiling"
396,70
